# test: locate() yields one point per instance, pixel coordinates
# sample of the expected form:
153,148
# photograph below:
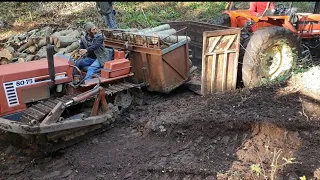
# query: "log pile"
162,36
31,45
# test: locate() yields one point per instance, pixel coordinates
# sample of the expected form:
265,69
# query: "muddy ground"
185,136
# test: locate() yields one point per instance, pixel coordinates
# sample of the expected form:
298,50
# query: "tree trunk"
72,47
64,41
175,39
74,33
155,29
168,31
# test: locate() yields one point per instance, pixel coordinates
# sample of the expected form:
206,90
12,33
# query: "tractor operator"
92,51
258,8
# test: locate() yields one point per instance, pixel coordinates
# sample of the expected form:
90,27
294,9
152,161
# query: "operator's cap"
88,26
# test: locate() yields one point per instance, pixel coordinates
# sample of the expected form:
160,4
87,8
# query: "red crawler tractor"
273,42
42,97
45,103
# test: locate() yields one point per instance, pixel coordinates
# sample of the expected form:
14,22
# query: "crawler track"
51,142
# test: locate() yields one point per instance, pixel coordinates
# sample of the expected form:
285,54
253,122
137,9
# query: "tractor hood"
32,69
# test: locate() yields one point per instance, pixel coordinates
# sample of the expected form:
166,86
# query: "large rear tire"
270,54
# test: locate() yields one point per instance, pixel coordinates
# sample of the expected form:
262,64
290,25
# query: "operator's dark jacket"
104,8
96,49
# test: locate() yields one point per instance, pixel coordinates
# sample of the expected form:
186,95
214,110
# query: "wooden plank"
224,72
213,72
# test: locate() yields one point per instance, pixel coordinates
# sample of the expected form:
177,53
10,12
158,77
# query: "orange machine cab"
116,67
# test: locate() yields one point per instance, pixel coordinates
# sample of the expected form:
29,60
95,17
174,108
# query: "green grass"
129,14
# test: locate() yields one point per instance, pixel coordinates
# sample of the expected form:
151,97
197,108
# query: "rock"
132,117
235,138
225,139
71,177
162,129
109,116
13,171
133,131
66,173
95,141
150,125
100,176
35,171
188,177
128,175
210,178
9,149
51,175
293,176
136,134
199,139
197,177
305,133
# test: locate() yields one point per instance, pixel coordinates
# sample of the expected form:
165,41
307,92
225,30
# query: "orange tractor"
273,43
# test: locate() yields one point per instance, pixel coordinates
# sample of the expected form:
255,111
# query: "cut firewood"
21,60
41,53
60,50
29,58
42,42
168,31
55,40
52,39
31,49
4,61
6,54
65,32
44,31
64,41
10,49
175,39
74,33
25,46
155,29
20,55
62,33
72,47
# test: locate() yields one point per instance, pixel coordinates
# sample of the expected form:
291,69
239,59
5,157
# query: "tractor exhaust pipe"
50,51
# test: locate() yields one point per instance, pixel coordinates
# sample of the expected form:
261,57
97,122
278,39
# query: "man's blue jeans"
111,21
94,66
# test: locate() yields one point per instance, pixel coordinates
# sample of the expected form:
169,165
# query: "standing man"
258,8
106,10
92,51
